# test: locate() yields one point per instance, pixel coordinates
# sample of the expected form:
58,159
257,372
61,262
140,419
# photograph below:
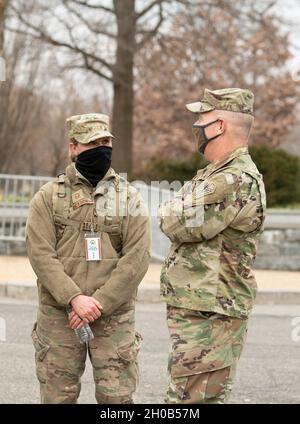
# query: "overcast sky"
290,10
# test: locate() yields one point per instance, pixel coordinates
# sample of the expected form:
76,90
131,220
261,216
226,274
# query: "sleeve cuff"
107,305
72,297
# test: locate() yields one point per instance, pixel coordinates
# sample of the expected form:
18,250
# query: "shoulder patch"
78,195
218,188
209,188
80,199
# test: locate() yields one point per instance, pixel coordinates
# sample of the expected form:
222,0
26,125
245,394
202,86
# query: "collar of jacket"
76,177
215,166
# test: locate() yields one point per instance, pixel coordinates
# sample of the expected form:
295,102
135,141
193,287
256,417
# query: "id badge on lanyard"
92,247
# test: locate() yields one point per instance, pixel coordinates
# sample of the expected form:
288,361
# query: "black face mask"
200,136
93,164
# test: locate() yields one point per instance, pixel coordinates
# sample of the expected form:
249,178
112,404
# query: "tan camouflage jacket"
214,224
61,213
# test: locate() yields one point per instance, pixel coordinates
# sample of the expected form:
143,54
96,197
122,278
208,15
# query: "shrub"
281,172
171,169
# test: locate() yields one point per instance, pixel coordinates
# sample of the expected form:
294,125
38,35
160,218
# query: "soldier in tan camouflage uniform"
100,286
214,223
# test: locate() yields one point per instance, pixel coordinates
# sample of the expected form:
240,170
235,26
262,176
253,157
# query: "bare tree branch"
268,7
86,22
87,66
39,34
149,7
150,33
92,6
3,6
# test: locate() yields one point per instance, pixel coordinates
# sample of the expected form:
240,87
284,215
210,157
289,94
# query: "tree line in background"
99,37
141,60
280,169
214,48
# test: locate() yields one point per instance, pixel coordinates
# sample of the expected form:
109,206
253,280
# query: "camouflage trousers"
205,348
60,358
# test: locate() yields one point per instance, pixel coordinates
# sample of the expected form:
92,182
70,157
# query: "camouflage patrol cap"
230,99
89,127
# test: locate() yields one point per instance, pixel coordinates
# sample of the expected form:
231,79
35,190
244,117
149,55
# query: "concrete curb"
150,293
18,290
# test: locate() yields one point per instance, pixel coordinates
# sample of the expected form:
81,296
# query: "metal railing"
153,197
16,191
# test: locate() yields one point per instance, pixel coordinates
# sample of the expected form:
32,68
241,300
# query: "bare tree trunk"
134,30
3,6
122,117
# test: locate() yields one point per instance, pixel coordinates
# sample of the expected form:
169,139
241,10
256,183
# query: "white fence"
153,197
16,191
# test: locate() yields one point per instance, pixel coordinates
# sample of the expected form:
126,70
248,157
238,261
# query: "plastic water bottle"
84,333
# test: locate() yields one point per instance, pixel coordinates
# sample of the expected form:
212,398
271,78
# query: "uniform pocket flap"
129,353
41,348
200,360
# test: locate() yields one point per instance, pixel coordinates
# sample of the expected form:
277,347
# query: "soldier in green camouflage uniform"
90,198
214,223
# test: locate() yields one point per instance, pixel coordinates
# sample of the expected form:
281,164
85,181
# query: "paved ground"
18,269
269,371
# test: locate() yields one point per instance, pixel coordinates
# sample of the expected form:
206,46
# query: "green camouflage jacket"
214,223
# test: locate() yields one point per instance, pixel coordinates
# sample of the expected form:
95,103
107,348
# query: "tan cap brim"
100,134
199,107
